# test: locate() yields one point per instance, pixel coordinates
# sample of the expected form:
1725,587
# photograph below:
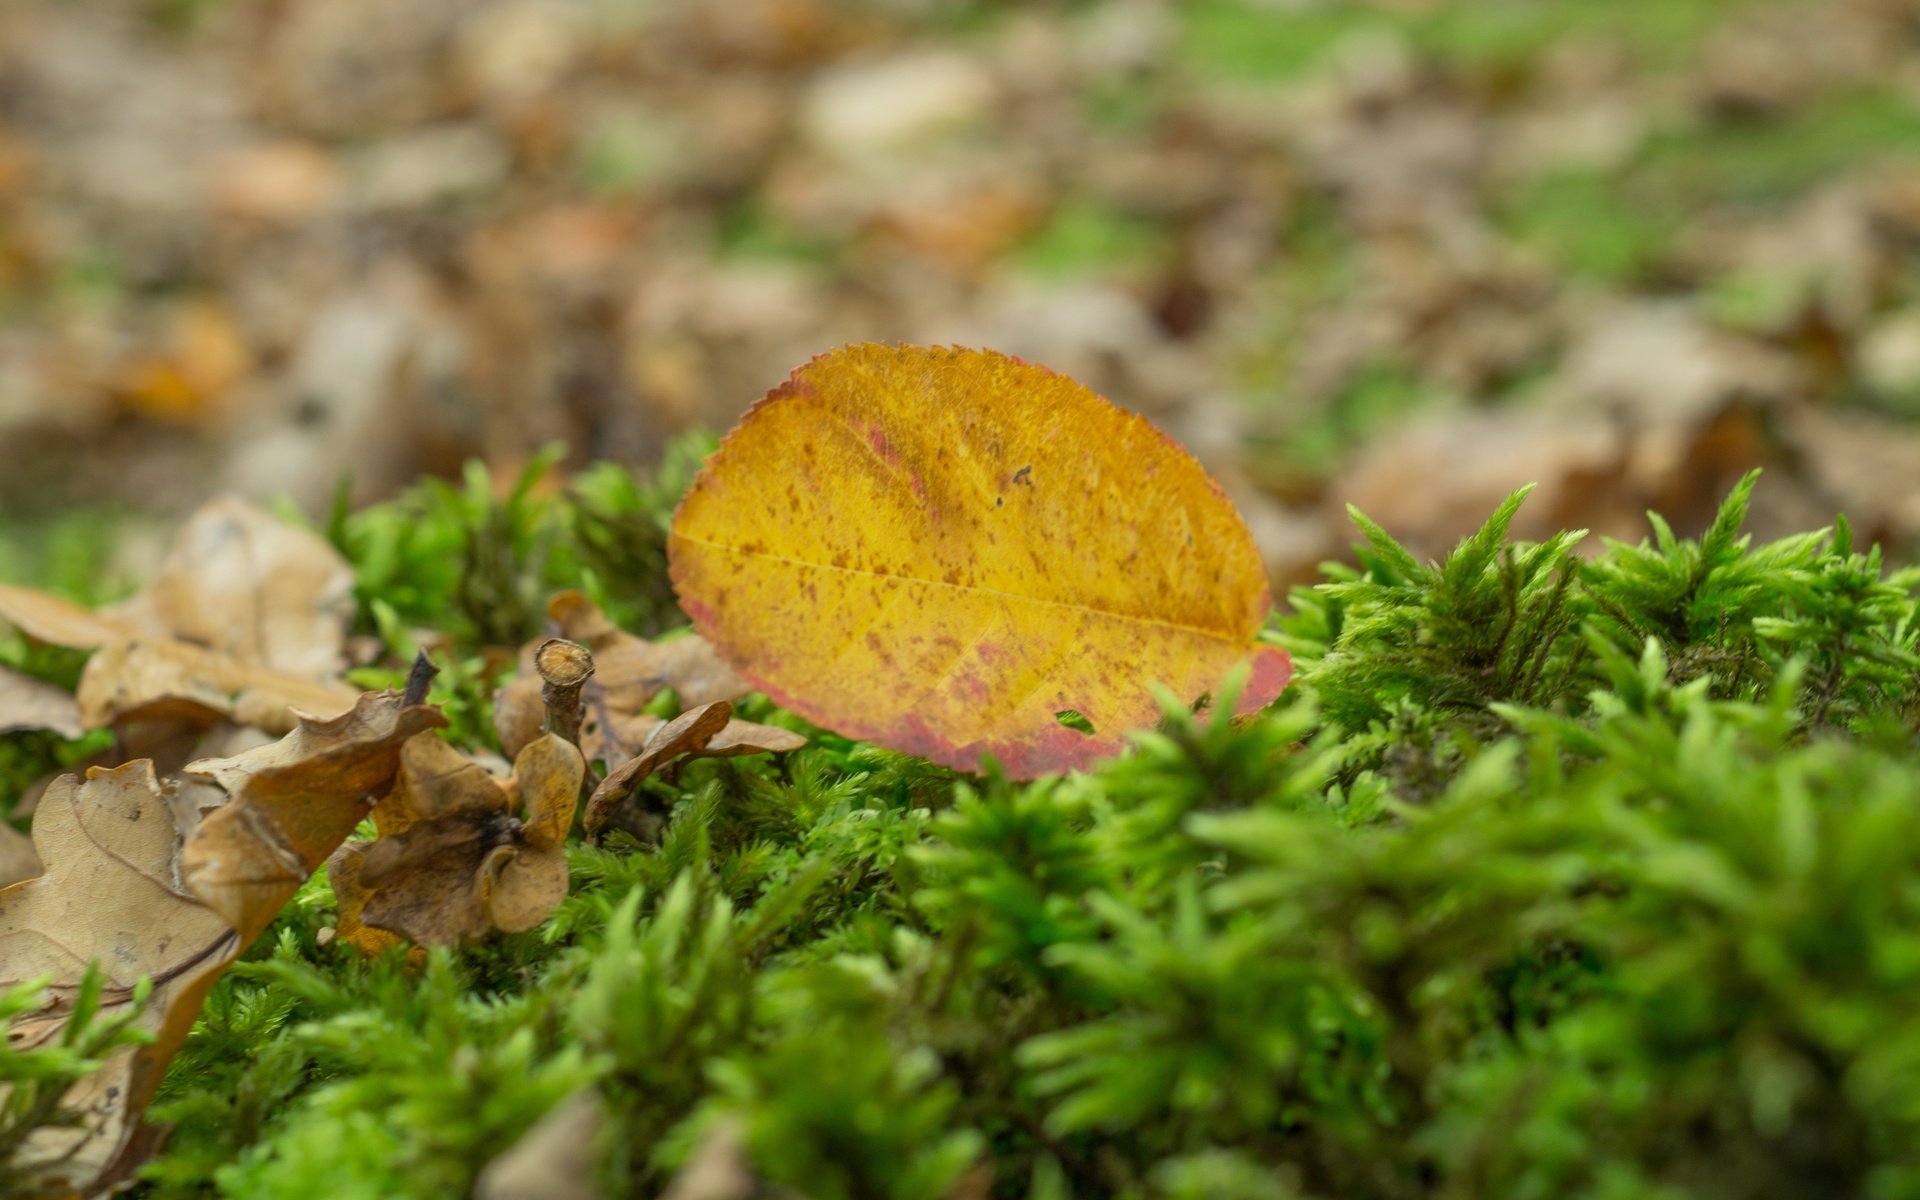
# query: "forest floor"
1402,255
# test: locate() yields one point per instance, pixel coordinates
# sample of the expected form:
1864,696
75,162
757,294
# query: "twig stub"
419,679
564,669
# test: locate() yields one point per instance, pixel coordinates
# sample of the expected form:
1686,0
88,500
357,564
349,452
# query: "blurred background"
1402,254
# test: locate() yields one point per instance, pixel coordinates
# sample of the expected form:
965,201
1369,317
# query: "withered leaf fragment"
454,861
557,1159
29,703
247,620
708,731
111,894
130,887
292,803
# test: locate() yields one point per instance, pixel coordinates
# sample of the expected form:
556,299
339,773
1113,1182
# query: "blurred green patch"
1121,106
747,231
1581,221
618,154
1309,444
1248,41
1761,162
68,553
1082,237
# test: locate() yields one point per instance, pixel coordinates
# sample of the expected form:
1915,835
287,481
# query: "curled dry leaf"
247,620
941,550
292,803
628,672
454,862
350,898
708,731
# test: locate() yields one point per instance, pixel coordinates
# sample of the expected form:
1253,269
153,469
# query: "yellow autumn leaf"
941,550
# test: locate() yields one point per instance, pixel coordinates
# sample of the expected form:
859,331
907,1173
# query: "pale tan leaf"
111,895
17,859
246,621
29,703
246,584
140,678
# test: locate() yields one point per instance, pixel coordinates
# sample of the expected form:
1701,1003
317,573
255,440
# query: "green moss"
1551,875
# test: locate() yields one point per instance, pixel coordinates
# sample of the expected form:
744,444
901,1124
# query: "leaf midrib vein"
975,589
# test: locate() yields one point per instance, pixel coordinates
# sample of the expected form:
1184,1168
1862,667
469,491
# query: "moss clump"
1551,877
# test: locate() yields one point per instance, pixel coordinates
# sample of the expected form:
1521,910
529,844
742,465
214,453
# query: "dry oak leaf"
139,882
460,863
111,894
292,803
246,620
628,672
708,731
942,549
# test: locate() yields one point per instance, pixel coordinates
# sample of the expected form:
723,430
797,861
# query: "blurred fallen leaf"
458,863
1861,465
246,620
203,355
556,1159
275,182
719,1169
28,703
111,895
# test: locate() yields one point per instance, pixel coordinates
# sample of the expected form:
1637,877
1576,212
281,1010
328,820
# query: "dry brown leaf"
293,803
350,895
632,737
137,881
137,678
29,703
454,862
708,731
244,583
111,894
247,620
